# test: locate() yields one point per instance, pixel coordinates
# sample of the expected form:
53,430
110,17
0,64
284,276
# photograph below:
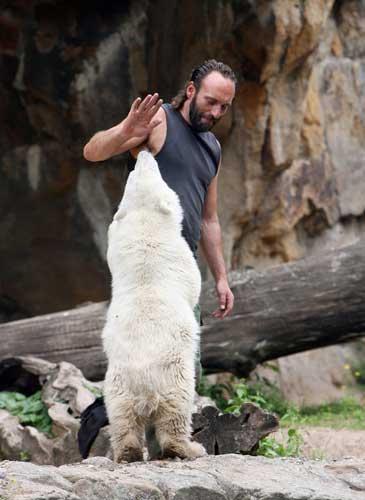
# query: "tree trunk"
290,308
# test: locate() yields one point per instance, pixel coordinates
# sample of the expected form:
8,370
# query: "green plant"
358,372
269,447
30,410
266,395
243,393
230,397
24,456
217,392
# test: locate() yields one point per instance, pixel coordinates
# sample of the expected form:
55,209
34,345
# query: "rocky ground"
223,477
332,465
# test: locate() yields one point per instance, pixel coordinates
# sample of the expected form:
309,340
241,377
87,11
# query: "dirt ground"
326,443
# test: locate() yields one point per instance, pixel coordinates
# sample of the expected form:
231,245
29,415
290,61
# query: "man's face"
211,102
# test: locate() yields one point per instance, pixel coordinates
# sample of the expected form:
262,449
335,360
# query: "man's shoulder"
214,140
158,134
215,146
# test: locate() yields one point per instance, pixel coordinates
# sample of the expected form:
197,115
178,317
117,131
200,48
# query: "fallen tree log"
310,303
73,336
290,308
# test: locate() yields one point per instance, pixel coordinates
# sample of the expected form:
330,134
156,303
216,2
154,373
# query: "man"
188,155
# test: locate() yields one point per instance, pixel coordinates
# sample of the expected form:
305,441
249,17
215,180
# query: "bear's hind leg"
173,433
126,433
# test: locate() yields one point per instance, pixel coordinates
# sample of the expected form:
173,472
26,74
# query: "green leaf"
30,410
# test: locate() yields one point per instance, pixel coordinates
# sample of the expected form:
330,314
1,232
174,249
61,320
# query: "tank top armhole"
218,155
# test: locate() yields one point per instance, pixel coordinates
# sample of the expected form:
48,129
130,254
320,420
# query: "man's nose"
216,111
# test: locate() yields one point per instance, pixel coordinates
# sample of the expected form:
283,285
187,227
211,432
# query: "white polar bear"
150,336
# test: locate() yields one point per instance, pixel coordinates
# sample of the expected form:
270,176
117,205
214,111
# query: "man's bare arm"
211,245
131,132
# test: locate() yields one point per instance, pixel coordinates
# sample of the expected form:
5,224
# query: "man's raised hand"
139,122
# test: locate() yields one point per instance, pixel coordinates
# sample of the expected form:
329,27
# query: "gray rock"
11,436
223,477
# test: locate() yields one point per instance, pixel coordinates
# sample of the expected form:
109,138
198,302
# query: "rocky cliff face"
293,146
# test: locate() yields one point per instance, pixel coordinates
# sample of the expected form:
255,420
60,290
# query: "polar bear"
151,334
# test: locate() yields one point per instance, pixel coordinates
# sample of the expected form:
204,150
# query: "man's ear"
190,90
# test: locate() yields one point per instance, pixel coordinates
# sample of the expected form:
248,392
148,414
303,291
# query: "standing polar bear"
151,334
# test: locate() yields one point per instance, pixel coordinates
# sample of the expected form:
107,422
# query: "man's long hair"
197,76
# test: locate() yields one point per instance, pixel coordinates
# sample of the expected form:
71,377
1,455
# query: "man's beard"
196,116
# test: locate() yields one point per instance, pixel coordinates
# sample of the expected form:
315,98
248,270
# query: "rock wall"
293,145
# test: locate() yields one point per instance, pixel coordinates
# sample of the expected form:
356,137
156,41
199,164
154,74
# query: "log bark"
73,336
293,307
228,433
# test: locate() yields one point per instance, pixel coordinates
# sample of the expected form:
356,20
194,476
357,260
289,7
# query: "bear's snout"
146,163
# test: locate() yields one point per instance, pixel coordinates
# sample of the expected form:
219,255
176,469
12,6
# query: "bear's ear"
165,206
120,214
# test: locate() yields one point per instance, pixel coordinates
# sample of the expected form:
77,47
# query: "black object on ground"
93,418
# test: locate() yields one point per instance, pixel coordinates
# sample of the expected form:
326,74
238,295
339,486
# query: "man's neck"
184,110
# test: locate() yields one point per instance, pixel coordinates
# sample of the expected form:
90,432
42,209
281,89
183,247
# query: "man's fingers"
153,100
153,110
225,312
230,303
148,102
222,301
136,104
226,301
219,313
143,106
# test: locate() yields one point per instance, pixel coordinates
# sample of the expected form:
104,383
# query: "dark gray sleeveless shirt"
188,162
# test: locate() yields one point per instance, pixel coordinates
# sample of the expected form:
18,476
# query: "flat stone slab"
221,477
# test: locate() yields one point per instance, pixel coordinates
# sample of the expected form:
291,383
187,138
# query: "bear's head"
146,190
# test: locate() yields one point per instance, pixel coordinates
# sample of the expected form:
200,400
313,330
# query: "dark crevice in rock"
216,448
14,378
336,10
315,222
350,218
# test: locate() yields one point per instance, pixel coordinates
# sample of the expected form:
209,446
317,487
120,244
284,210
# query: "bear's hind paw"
185,450
129,454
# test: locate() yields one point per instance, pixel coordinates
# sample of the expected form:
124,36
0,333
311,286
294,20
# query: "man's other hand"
225,298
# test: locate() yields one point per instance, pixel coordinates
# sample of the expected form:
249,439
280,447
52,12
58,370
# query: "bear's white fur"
150,336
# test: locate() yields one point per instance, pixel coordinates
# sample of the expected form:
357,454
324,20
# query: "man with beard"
188,154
